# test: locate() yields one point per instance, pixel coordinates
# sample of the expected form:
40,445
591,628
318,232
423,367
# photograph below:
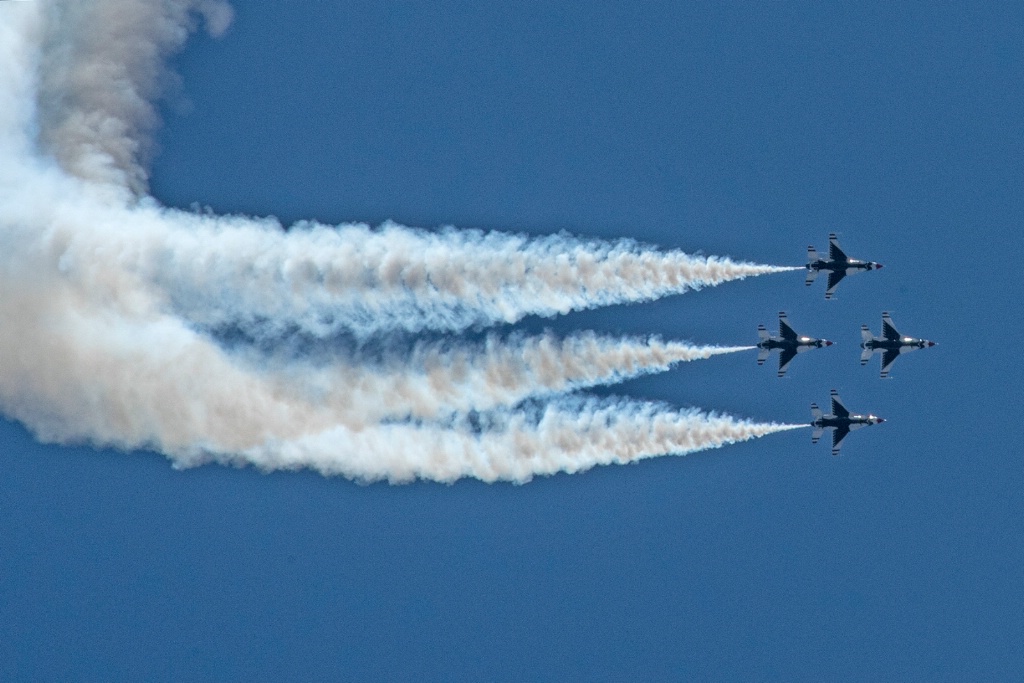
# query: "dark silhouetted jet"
838,265
840,419
788,342
891,344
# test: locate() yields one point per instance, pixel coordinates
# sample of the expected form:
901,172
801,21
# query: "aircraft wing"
837,438
888,358
785,356
785,331
888,329
834,276
835,253
838,409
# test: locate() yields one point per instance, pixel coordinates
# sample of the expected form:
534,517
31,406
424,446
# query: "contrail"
113,305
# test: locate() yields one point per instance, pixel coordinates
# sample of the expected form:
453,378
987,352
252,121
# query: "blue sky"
748,131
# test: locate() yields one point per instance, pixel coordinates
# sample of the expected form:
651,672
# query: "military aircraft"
840,419
838,265
788,342
891,344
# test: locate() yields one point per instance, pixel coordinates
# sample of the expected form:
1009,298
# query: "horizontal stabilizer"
816,435
865,356
865,333
816,411
812,254
762,332
762,356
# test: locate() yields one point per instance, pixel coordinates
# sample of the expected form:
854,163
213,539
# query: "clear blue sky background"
749,130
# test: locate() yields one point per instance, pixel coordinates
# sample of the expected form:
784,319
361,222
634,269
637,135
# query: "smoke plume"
116,308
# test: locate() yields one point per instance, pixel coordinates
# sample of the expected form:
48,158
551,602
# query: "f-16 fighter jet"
788,342
890,344
840,419
838,265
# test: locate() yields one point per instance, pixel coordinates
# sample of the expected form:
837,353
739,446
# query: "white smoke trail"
107,296
250,273
323,279
564,438
434,381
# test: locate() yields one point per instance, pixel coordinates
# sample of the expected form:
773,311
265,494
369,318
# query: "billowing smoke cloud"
115,307
102,67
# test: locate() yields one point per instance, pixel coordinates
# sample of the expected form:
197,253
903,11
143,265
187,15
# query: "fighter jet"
788,342
841,420
891,344
838,265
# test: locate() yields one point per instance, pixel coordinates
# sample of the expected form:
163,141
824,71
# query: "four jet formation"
890,344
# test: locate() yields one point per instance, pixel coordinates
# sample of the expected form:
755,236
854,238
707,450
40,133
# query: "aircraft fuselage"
799,342
848,265
850,421
902,343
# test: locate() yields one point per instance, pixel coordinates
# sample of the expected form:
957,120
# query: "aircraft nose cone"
878,265
931,343
881,420
828,343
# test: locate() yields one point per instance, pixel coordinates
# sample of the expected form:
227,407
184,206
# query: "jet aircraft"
840,419
788,342
838,265
891,344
